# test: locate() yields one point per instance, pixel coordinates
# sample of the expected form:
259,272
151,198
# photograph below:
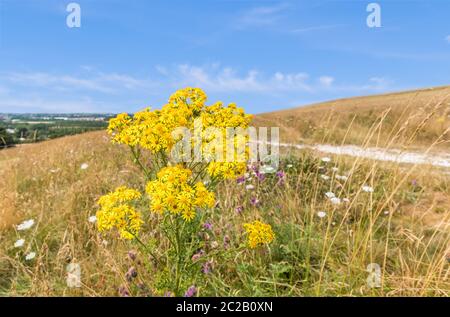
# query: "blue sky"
263,55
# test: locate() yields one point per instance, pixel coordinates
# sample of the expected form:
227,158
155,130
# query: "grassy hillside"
320,248
406,119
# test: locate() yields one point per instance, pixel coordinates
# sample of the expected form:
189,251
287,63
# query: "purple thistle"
207,267
281,177
207,226
191,292
261,176
131,274
240,180
123,291
281,174
239,209
197,255
132,255
254,201
226,241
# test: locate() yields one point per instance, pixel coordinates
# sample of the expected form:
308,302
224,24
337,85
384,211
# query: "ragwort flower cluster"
259,233
174,192
117,212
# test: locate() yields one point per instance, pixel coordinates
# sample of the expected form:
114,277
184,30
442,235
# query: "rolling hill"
406,119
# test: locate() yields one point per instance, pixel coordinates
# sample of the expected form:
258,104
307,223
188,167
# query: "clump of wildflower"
281,177
116,212
132,255
191,292
27,224
254,201
173,192
19,243
131,274
207,267
123,291
197,255
30,256
259,233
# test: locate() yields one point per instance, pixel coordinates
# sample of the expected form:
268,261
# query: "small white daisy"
19,243
27,224
92,219
367,189
249,187
84,166
325,177
326,159
330,195
335,169
335,201
30,256
321,214
341,177
289,165
386,212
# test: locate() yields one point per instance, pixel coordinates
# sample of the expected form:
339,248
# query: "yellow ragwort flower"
173,192
116,212
259,233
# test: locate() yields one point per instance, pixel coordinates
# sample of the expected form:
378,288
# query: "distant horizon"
299,106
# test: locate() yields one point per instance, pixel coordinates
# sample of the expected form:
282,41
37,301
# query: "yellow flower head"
173,192
259,233
116,212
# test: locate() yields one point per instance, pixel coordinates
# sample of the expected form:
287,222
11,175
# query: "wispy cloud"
261,16
310,29
448,38
98,82
326,81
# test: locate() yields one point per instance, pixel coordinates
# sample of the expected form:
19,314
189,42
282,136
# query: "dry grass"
415,118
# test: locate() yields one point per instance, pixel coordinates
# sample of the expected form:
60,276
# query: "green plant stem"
138,162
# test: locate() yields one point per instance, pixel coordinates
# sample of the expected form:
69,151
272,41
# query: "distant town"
36,127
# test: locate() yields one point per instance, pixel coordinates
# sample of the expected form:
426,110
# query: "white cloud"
215,78
326,81
448,38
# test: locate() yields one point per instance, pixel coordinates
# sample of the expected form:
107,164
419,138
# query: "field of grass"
411,119
392,216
